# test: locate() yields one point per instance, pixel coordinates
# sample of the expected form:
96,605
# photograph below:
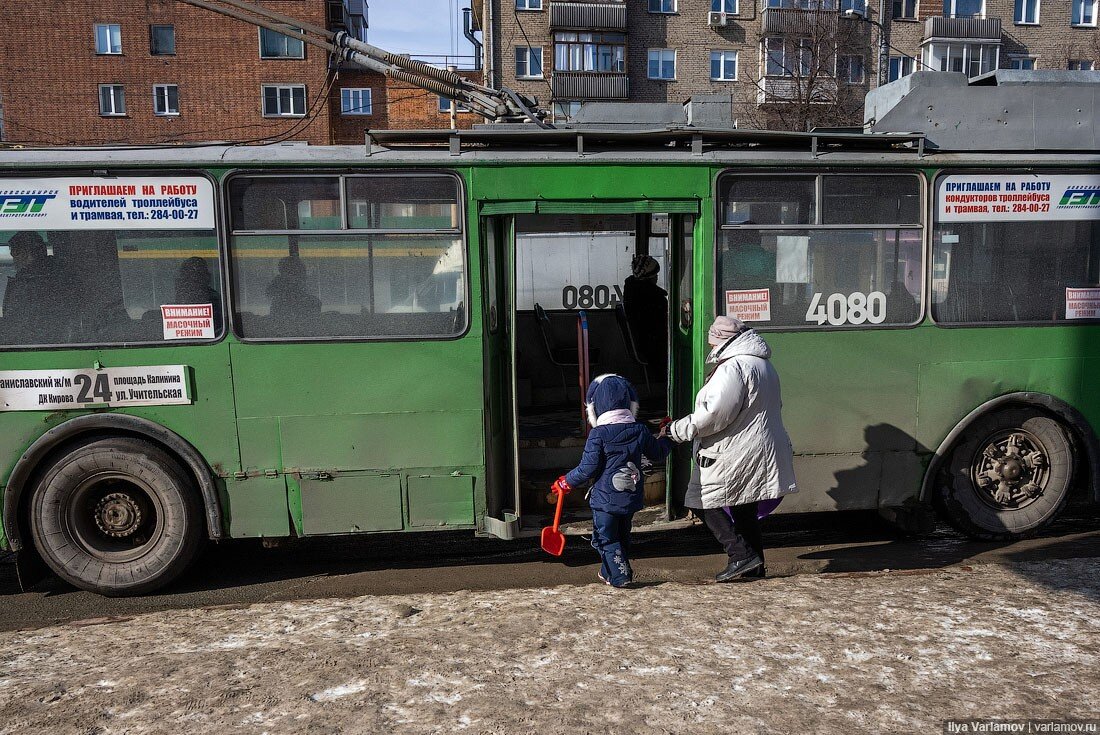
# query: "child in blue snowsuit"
613,461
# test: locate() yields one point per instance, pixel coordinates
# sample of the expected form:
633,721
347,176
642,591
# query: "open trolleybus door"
502,482
521,465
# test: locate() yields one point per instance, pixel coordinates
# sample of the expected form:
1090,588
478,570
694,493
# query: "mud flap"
508,529
30,569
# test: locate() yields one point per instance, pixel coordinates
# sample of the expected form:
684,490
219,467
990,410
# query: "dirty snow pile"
827,653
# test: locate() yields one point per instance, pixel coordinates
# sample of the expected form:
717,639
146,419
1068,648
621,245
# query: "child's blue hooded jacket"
613,453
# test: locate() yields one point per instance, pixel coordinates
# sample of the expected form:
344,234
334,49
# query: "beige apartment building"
783,63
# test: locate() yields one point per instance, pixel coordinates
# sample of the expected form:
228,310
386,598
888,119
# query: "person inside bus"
31,304
646,307
743,456
292,303
193,287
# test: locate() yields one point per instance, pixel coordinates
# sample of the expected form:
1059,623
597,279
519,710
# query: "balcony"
588,16
800,21
584,85
349,16
787,90
962,29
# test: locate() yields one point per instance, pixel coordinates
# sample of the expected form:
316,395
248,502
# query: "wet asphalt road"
239,573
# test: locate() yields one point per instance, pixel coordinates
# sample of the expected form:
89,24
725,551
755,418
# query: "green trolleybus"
239,342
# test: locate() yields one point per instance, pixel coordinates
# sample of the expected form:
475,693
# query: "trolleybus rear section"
312,342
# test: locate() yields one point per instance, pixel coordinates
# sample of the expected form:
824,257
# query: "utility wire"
527,40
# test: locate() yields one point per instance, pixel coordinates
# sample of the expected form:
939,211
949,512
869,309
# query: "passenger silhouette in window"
193,287
32,312
291,301
646,307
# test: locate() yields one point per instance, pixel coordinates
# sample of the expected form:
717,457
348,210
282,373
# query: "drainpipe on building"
883,55
468,31
488,35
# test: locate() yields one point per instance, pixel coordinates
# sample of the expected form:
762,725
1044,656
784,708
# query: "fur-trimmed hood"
610,392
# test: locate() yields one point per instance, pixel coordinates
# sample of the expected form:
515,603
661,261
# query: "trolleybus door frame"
501,421
681,246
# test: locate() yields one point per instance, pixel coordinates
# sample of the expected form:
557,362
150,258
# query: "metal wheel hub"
118,515
1011,470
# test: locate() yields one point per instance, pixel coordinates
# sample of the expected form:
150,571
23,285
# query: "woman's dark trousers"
737,529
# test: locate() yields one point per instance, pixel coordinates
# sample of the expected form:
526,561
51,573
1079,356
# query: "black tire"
1008,476
116,516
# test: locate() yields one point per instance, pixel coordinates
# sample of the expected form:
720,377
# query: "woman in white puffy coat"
742,452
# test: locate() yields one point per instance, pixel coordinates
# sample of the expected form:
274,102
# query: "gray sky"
418,27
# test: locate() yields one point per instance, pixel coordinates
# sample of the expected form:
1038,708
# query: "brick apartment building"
816,57
160,71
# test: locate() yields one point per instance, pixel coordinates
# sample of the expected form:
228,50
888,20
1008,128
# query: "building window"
724,6
528,62
789,57
1026,63
162,40
443,104
1027,12
284,100
964,8
662,63
901,66
775,57
277,46
108,38
723,66
528,4
856,6
112,99
905,9
970,58
850,69
662,6
355,101
604,52
1081,65
1084,13
166,99
566,111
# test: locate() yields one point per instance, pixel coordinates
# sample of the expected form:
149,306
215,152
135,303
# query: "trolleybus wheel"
116,516
1009,475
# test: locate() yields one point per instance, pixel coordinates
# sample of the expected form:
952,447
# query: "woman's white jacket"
742,452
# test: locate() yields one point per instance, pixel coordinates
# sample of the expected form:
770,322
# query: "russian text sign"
48,390
1083,303
1018,198
750,306
101,203
188,321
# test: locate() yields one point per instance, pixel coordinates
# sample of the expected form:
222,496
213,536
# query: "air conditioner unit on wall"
716,19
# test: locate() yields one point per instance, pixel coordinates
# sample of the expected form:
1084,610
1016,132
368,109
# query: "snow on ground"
826,653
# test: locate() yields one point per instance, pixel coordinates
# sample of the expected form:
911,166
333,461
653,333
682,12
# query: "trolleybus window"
833,250
347,257
108,261
1016,248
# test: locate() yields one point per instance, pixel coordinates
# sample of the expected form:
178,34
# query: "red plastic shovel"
553,540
